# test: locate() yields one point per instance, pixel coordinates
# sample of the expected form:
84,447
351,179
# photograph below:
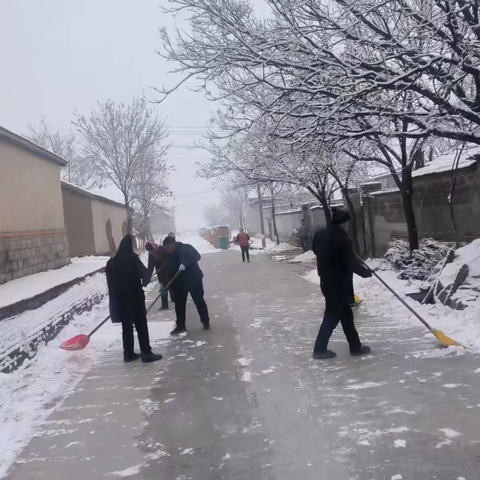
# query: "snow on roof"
90,194
445,164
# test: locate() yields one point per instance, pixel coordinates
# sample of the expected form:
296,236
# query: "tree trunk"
274,220
353,224
407,198
326,209
260,214
129,218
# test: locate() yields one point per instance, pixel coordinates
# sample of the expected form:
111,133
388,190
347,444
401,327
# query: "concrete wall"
107,217
384,218
30,195
78,222
286,222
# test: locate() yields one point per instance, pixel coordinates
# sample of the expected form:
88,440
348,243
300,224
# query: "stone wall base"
25,253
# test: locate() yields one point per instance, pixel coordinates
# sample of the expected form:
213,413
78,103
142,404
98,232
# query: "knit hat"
340,215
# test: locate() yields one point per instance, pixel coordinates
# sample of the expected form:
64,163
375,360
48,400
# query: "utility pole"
260,214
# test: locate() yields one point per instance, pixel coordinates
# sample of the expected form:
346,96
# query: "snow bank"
32,285
463,272
462,326
31,393
306,257
271,247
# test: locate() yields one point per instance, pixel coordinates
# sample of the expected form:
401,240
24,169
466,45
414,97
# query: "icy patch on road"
128,472
400,443
361,386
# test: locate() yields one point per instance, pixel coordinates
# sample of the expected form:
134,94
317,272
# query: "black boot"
364,350
163,307
324,354
178,331
206,325
151,357
130,357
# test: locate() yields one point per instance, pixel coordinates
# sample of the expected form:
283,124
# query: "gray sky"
60,55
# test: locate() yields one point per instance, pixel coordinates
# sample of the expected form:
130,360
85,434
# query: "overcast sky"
60,55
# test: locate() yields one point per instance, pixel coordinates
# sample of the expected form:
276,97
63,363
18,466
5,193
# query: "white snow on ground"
463,326
27,287
199,243
271,247
31,393
307,257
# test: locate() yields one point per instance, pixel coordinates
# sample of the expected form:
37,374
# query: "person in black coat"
336,264
183,259
126,277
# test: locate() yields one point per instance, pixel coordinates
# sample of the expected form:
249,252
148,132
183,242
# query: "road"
245,401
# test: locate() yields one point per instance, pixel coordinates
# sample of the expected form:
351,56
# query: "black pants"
197,293
337,309
135,315
304,242
164,297
245,253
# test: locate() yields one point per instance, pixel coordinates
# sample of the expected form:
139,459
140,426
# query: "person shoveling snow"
336,264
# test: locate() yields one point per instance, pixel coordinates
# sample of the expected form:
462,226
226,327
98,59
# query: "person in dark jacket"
156,264
303,234
183,259
126,277
336,264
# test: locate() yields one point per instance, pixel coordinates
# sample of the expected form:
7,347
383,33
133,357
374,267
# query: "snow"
29,394
199,243
271,247
444,164
306,257
128,472
32,285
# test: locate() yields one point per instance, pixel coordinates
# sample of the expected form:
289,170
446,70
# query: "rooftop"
89,194
31,146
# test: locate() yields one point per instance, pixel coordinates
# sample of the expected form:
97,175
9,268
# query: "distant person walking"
126,277
336,264
183,259
243,240
303,233
156,264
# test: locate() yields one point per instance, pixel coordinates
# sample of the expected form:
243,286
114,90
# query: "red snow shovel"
79,342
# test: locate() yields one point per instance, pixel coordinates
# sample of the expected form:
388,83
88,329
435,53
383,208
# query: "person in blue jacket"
183,259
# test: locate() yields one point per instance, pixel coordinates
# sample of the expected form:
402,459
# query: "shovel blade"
447,341
79,342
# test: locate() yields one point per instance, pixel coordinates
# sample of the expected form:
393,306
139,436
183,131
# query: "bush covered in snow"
419,264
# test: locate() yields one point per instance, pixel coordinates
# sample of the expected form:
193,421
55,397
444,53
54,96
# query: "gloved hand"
181,268
368,273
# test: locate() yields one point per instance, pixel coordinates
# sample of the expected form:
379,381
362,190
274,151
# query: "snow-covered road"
246,401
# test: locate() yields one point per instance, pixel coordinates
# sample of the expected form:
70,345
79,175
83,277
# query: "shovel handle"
100,325
385,284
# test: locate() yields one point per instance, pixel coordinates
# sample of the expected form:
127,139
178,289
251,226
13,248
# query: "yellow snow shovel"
356,300
447,341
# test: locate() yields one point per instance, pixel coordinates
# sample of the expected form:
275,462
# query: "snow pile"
32,285
31,393
419,264
271,247
307,257
458,283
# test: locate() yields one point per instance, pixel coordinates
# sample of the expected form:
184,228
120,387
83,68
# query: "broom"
447,341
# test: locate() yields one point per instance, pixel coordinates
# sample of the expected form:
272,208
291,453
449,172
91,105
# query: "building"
95,224
32,228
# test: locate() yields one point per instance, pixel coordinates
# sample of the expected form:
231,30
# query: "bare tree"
215,215
119,139
79,170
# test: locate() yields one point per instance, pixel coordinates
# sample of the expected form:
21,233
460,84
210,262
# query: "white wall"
286,223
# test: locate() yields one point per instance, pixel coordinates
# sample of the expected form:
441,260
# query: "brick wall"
25,253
